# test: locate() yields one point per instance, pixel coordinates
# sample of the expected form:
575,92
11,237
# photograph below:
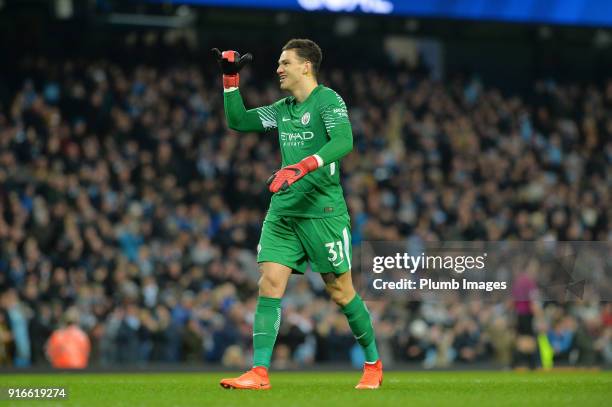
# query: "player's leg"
279,253
328,247
341,290
272,285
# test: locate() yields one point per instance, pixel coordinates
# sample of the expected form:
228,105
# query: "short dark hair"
306,49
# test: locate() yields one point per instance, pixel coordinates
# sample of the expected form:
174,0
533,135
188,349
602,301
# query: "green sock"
361,324
265,329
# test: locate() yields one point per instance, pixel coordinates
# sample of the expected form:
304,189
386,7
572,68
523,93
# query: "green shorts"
293,242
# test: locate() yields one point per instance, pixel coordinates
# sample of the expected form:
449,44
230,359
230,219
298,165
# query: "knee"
269,287
339,296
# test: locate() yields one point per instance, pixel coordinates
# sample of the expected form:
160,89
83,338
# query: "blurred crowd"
124,196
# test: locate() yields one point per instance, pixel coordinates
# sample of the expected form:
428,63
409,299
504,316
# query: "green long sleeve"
338,127
239,118
339,145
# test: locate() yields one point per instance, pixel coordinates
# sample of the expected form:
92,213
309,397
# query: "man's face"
291,69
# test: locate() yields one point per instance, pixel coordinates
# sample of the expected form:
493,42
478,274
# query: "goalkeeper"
308,219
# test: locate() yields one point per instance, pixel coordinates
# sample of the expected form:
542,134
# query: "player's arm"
339,130
240,119
237,116
335,117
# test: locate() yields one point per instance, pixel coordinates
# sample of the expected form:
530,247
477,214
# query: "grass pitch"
315,389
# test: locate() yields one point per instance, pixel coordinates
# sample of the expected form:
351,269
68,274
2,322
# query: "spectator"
69,347
561,338
122,193
18,324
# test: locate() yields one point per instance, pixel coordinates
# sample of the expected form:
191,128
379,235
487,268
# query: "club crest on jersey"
306,118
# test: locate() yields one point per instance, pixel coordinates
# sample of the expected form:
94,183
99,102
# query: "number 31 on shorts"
336,253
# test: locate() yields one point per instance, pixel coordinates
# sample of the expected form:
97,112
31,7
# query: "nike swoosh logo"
360,336
286,119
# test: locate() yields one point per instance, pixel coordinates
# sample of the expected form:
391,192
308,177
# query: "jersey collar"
294,102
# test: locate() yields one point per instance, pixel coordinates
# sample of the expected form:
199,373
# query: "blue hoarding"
570,12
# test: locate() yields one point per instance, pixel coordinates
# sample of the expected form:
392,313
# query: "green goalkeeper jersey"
318,125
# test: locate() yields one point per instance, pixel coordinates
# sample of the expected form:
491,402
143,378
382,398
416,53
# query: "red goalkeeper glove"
283,178
231,63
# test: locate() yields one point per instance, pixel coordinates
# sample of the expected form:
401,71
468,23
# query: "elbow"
347,147
341,152
232,123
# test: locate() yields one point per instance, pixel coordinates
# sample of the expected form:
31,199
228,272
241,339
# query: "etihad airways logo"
297,139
